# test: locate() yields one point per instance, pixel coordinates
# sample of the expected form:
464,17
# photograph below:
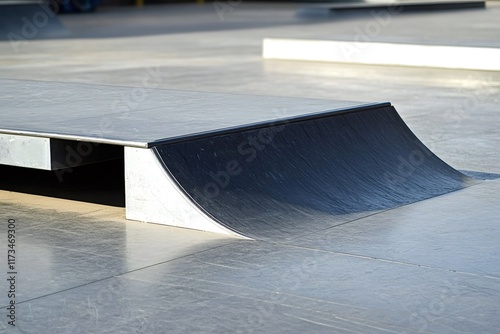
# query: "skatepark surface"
430,266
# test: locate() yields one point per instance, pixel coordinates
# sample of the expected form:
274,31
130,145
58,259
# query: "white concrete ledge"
455,57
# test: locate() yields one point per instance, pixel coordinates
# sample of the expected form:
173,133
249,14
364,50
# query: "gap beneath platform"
99,183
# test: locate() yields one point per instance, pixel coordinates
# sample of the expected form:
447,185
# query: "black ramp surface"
287,180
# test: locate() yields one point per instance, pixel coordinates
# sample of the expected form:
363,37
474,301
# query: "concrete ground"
430,267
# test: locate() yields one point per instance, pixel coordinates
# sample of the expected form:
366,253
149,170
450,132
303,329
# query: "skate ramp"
252,166
290,179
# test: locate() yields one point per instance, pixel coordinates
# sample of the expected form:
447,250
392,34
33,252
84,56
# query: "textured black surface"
310,175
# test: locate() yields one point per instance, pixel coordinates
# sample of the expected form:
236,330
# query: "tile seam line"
112,276
367,257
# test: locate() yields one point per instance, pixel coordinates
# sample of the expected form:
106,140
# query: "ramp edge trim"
264,124
243,127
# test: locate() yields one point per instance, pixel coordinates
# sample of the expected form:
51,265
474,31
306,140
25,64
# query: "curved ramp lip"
417,140
254,126
233,228
263,124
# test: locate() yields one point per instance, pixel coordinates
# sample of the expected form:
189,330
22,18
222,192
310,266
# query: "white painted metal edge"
22,151
442,56
152,196
51,135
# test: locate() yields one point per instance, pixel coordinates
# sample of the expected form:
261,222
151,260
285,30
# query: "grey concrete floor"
432,266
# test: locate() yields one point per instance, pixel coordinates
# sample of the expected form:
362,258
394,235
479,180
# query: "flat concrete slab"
96,272
142,117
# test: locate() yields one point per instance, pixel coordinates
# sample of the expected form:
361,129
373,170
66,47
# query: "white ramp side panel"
373,53
153,196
